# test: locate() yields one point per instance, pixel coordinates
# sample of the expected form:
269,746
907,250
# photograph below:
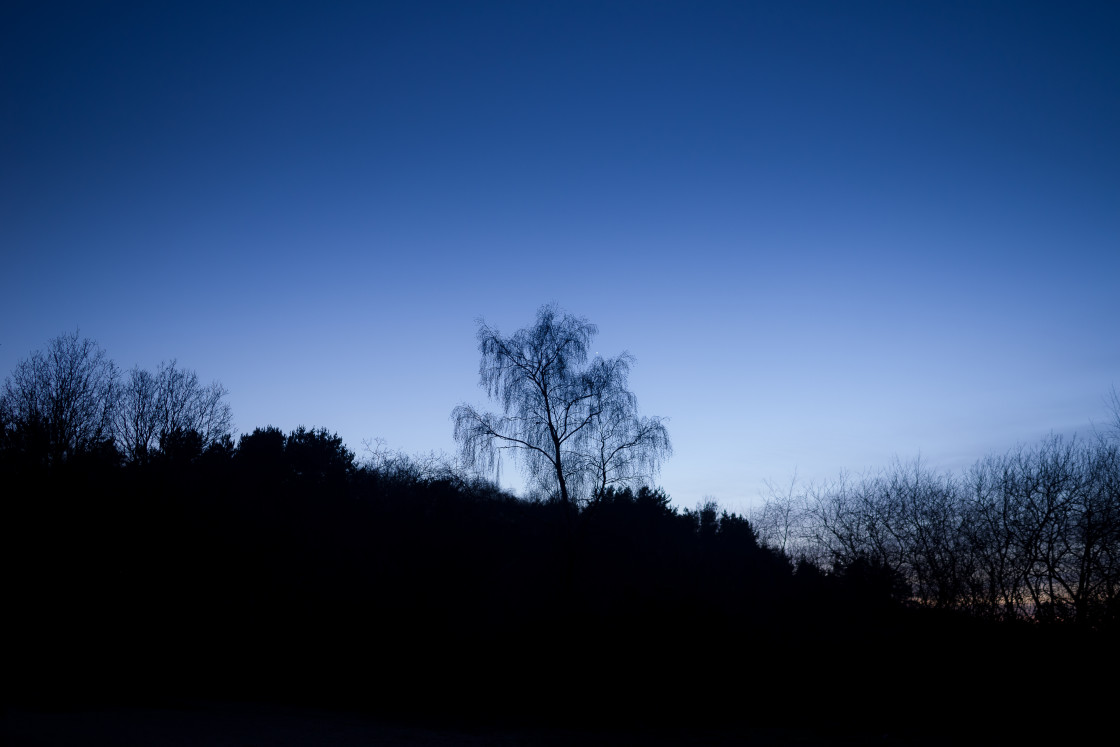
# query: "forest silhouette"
279,567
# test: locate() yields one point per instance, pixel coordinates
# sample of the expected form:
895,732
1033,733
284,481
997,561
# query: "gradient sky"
830,233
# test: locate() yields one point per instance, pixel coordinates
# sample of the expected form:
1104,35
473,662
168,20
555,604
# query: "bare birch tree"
554,405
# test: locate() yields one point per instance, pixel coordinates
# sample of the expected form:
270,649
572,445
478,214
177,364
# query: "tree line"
1033,534
71,398
279,567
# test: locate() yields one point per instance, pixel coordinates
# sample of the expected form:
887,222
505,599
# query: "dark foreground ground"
221,724
247,605
912,685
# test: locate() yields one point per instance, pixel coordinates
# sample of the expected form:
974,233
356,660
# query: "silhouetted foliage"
1113,401
60,401
621,448
318,455
183,447
868,581
70,399
573,427
172,401
263,449
1033,534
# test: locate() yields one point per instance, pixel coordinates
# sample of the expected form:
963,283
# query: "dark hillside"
278,571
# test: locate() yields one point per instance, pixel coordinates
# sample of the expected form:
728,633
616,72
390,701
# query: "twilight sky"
830,233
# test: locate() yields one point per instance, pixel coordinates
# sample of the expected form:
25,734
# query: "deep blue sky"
830,233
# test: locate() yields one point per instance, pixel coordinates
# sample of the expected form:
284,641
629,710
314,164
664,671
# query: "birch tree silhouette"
569,422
